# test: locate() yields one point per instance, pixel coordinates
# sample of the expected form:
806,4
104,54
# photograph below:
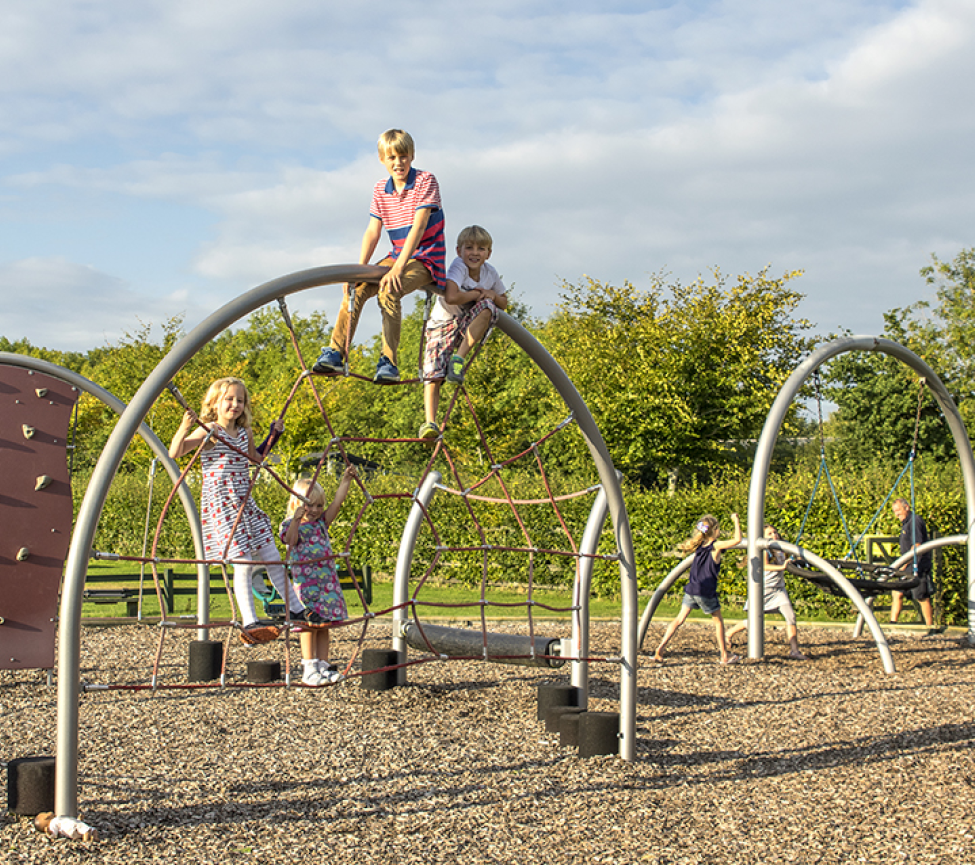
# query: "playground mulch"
829,760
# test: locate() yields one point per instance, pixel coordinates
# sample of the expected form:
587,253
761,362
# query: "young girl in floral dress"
312,561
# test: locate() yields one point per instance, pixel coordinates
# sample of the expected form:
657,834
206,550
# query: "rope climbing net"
479,515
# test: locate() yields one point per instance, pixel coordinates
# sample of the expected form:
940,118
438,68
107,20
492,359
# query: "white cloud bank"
612,140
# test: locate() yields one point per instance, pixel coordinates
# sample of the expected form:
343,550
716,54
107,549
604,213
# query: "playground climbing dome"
440,477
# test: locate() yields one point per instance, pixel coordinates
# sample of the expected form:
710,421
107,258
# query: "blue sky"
159,158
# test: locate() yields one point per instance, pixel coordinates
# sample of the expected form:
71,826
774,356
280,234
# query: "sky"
159,158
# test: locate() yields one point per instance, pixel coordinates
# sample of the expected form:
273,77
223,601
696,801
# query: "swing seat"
883,580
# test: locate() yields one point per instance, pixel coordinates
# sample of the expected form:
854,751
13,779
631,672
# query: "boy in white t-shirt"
473,295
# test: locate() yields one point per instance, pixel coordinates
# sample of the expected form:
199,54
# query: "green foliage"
679,377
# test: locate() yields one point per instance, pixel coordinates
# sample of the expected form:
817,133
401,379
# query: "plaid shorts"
443,337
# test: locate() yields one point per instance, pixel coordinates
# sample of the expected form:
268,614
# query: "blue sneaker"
455,369
330,360
386,371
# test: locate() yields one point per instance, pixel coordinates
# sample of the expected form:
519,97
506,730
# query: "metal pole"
621,524
404,559
580,594
69,634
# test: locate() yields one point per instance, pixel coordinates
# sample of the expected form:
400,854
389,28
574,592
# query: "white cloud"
60,304
611,141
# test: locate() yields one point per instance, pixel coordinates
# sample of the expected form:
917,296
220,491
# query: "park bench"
125,589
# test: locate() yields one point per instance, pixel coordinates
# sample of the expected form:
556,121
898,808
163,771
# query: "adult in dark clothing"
914,533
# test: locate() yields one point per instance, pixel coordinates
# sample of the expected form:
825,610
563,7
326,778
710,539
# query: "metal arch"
908,558
658,596
863,607
66,781
609,498
158,449
766,444
617,511
69,633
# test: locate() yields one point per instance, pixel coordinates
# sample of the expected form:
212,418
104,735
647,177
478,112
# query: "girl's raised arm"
185,441
733,541
343,490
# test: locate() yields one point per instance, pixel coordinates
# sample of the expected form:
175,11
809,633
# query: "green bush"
659,521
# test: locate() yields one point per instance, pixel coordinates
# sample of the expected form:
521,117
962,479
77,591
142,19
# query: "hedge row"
494,536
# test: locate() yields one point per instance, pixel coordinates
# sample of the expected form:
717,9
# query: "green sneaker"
455,370
429,430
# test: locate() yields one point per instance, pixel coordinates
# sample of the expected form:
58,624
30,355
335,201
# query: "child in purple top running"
312,561
702,585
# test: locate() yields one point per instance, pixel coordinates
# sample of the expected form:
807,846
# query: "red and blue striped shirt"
396,210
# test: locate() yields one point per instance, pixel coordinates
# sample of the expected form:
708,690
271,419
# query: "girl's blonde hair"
705,531
208,411
310,490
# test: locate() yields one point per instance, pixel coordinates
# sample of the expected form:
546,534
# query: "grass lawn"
459,602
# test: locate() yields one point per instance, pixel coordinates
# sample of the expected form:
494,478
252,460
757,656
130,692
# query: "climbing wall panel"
35,513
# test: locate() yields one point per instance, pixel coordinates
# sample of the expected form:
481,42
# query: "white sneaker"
312,675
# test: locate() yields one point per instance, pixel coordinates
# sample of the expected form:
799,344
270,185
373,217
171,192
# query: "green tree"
881,407
680,378
877,396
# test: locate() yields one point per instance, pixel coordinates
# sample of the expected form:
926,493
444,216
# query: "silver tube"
766,444
404,559
658,596
848,590
580,594
69,634
935,543
621,524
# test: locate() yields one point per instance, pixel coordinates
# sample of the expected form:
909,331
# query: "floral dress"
227,487
313,570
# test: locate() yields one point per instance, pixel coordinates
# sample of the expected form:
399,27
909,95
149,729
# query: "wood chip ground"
824,761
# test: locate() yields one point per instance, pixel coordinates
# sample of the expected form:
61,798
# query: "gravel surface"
823,761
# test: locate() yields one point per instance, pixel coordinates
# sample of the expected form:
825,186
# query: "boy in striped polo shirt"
408,207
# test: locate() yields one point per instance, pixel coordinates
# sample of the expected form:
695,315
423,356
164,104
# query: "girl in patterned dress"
312,561
227,455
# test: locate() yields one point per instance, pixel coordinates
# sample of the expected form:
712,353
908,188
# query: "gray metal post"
621,524
581,589
766,444
404,559
69,634
862,607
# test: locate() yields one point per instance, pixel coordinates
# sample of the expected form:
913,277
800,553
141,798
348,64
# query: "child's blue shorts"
709,605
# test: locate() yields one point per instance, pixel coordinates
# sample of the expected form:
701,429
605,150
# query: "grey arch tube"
404,558
69,632
66,783
581,592
617,511
610,498
159,450
907,558
766,444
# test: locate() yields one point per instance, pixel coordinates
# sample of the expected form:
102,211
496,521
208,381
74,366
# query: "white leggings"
243,585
